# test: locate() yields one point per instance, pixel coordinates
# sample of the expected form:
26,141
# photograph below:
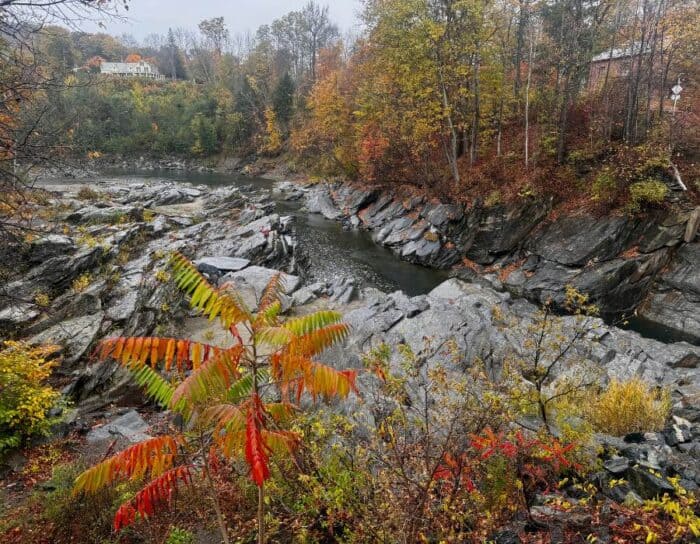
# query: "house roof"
618,53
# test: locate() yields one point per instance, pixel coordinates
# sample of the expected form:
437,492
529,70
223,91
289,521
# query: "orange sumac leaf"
215,375
134,352
155,455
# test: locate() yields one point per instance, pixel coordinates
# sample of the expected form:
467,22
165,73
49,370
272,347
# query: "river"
332,251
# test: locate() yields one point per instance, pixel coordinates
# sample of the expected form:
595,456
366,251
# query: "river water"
332,251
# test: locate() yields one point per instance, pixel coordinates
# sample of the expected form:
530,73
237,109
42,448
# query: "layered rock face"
99,267
649,264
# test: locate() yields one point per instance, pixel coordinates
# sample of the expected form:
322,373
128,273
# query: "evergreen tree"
175,61
283,99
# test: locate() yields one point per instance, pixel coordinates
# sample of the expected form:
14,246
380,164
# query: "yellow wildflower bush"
81,283
24,396
629,406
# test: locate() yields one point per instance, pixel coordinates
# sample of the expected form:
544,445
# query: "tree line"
454,94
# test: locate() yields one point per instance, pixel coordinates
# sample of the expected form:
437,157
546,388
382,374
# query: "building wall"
618,68
131,69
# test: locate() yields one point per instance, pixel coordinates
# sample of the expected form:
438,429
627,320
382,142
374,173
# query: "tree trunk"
607,132
563,120
527,100
523,19
474,140
451,151
650,67
261,514
633,83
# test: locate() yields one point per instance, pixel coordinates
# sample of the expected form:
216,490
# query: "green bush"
604,185
646,193
180,536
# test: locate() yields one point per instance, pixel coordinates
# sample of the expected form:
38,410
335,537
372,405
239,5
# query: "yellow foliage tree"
24,397
272,142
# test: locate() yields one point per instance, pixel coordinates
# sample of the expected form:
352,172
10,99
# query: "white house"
131,69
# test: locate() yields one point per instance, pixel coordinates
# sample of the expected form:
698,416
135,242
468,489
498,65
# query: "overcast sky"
148,16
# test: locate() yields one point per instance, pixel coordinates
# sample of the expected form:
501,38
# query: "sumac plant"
235,401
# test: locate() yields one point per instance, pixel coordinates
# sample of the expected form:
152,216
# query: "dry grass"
630,406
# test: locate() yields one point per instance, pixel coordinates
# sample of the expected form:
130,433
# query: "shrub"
25,399
162,275
604,185
81,283
42,299
431,236
494,198
646,193
180,536
224,396
88,193
630,406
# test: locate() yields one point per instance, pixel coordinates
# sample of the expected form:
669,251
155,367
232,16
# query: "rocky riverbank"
645,265
96,267
93,264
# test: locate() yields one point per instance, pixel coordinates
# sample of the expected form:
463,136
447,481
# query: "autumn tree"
28,70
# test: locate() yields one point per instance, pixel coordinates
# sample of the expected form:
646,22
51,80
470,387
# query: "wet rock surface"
624,263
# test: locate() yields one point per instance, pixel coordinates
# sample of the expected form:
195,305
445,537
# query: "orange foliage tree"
133,57
236,401
326,137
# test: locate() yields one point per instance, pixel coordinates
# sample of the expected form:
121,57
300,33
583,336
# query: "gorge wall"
646,265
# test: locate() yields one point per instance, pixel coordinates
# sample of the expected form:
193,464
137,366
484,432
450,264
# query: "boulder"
264,225
319,201
404,230
287,190
56,274
692,226
575,240
74,335
17,313
421,251
303,296
647,484
49,246
251,282
439,214
350,199
223,264
409,306
660,231
381,211
130,426
544,281
109,214
619,285
674,302
503,227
